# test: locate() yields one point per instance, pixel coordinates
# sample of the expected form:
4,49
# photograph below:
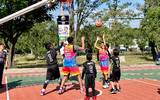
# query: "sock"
106,81
43,90
45,84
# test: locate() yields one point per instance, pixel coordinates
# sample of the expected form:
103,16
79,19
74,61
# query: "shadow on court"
11,85
158,90
56,89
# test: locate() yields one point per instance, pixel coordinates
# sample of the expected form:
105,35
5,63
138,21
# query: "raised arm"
104,39
95,44
82,43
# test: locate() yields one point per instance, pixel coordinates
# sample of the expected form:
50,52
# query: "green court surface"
141,74
19,81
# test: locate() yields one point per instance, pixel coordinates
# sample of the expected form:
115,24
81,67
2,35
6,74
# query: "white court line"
146,83
153,80
100,92
7,93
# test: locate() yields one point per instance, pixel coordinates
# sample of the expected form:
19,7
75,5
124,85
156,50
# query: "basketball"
99,23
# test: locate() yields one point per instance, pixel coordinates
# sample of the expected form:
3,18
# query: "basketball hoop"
66,1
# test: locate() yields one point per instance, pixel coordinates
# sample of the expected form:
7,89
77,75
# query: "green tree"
13,29
35,38
118,15
80,10
150,28
149,25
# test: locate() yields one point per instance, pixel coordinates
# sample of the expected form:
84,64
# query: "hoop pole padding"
24,11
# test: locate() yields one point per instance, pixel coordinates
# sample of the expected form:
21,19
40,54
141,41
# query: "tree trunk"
153,51
71,21
31,51
11,54
6,43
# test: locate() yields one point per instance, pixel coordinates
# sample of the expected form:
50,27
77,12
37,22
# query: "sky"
133,23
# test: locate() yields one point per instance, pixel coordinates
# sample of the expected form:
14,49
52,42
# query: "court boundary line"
100,92
7,92
146,83
155,80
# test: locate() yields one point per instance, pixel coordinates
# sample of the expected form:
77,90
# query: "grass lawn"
24,61
131,59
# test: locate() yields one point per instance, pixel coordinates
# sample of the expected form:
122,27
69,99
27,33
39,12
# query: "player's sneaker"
42,92
60,91
105,86
113,91
118,90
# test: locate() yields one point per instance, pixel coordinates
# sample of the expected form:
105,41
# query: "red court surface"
131,90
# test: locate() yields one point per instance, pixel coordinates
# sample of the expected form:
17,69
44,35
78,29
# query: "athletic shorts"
104,66
89,81
115,76
53,72
73,71
104,70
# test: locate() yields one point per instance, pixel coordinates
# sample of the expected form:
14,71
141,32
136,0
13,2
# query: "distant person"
115,72
70,64
3,62
62,49
158,57
52,65
104,61
90,72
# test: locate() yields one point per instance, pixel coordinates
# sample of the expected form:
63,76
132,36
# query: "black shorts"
89,81
115,76
1,72
53,72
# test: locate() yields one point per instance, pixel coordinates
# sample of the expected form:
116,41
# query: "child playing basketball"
89,70
52,69
70,64
3,62
104,59
115,72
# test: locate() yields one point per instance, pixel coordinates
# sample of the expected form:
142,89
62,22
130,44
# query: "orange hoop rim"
66,1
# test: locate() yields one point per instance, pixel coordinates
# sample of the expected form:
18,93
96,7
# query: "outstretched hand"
82,38
103,36
98,38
